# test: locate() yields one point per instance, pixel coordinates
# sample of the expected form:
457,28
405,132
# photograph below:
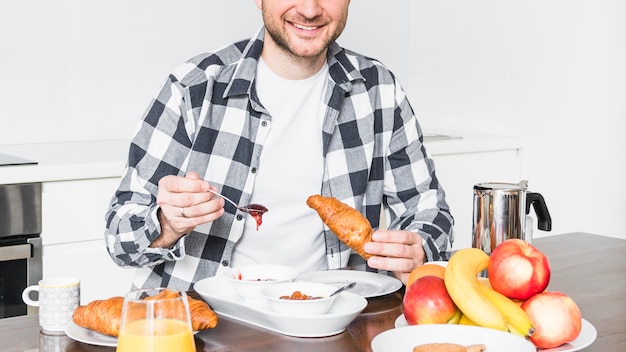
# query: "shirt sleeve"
415,198
159,147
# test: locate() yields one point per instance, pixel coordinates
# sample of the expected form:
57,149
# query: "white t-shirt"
291,169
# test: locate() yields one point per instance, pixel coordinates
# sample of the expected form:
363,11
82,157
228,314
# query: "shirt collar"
341,69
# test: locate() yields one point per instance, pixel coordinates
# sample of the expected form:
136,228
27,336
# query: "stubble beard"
282,41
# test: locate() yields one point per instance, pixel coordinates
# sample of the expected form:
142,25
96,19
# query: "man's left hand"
397,251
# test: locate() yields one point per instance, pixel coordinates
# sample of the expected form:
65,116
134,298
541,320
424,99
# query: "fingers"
184,198
401,237
191,183
193,175
397,244
201,208
184,203
396,251
183,192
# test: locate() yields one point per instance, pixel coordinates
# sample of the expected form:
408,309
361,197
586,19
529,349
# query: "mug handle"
26,295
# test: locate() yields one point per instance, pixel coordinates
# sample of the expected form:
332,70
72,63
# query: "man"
272,120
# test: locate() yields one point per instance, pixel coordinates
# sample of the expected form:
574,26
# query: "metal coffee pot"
501,212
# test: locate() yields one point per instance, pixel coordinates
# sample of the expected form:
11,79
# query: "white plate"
368,284
224,301
586,337
405,338
91,337
81,334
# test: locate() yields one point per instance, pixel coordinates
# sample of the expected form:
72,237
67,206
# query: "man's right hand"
184,204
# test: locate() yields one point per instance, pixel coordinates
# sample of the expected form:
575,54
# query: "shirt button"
264,123
239,217
253,170
225,262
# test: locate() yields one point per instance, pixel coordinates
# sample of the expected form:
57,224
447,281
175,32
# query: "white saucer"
368,284
91,337
84,335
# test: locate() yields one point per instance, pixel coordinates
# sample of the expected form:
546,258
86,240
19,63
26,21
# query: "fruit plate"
586,337
225,301
404,339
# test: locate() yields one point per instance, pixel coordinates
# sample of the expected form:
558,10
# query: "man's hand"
397,251
184,204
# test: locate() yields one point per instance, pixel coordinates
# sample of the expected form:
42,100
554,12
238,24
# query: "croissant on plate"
104,316
350,226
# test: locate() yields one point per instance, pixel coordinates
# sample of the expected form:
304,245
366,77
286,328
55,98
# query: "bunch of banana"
479,303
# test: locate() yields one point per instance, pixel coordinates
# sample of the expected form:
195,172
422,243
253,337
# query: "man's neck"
289,66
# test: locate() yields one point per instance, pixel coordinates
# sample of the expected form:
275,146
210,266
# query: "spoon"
251,208
255,210
346,287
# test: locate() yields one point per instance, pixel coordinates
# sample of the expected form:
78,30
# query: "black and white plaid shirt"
207,118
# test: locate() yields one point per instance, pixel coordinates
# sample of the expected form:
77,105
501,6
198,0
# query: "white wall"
76,70
552,72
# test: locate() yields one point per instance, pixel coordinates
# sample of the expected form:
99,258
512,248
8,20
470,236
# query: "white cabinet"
73,236
100,278
458,173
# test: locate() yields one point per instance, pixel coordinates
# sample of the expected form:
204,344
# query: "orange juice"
158,335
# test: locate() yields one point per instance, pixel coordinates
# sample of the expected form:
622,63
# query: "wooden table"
589,268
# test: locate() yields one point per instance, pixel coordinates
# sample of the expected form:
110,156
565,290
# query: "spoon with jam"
255,210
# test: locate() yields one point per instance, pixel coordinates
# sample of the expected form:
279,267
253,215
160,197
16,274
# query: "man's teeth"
306,28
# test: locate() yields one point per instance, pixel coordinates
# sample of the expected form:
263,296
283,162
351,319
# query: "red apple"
518,270
556,318
427,301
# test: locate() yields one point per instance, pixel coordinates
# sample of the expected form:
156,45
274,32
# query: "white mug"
58,298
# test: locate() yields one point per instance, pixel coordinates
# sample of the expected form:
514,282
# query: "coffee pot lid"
502,186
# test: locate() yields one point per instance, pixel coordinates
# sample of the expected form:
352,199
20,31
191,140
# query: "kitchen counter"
101,159
439,143
65,161
589,268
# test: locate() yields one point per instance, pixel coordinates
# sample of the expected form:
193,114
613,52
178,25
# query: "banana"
517,320
455,318
461,279
466,321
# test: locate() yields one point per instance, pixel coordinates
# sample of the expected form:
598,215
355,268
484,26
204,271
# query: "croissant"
202,317
104,316
350,226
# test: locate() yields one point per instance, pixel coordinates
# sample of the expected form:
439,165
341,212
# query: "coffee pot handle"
544,221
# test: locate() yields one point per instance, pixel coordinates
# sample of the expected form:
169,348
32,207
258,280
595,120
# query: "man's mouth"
306,28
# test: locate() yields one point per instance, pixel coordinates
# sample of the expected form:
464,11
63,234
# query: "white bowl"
405,338
248,280
319,305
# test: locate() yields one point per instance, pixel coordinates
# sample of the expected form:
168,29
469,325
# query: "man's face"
304,28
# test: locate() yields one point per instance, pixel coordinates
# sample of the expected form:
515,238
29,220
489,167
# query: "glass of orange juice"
154,320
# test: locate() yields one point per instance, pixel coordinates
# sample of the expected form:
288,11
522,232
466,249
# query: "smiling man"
297,36
273,120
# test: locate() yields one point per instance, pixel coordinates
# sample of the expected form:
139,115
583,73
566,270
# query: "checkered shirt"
207,118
